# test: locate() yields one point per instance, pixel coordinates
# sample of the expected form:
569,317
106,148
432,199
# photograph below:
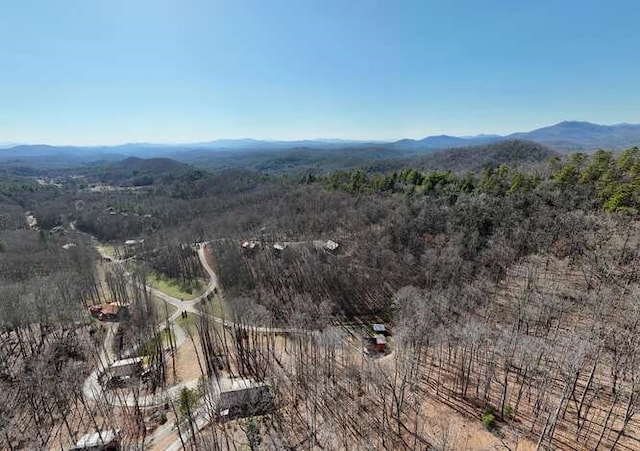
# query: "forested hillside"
506,275
290,159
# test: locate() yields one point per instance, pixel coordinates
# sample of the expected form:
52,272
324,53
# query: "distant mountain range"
564,136
575,135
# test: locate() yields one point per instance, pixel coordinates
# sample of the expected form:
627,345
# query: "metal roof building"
379,328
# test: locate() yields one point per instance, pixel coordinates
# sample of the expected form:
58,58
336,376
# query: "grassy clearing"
174,288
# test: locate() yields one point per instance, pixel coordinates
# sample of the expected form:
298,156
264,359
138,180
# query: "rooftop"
125,362
249,244
331,245
229,385
110,309
243,396
96,439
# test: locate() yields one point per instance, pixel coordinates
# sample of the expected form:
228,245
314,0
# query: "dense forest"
507,274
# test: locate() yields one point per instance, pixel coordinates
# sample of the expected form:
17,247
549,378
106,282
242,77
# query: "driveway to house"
93,390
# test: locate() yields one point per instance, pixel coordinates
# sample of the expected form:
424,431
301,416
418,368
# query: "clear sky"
112,71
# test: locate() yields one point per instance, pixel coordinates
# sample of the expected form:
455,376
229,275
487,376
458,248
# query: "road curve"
92,388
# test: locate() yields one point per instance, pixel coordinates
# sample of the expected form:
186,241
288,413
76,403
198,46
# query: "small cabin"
132,246
114,312
249,246
331,246
374,345
241,398
380,343
125,368
109,312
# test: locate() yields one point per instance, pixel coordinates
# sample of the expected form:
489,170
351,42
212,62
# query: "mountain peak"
577,124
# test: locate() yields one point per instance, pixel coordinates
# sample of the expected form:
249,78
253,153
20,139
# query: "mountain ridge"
564,136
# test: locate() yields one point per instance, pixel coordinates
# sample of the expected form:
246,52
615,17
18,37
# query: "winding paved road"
93,390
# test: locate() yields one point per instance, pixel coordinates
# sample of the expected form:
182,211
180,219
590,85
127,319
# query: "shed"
379,329
99,441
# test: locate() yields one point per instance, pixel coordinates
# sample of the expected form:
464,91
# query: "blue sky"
112,71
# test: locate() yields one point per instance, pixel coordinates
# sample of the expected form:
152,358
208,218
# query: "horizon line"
4,145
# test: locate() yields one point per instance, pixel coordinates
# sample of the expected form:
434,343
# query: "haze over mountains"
564,137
